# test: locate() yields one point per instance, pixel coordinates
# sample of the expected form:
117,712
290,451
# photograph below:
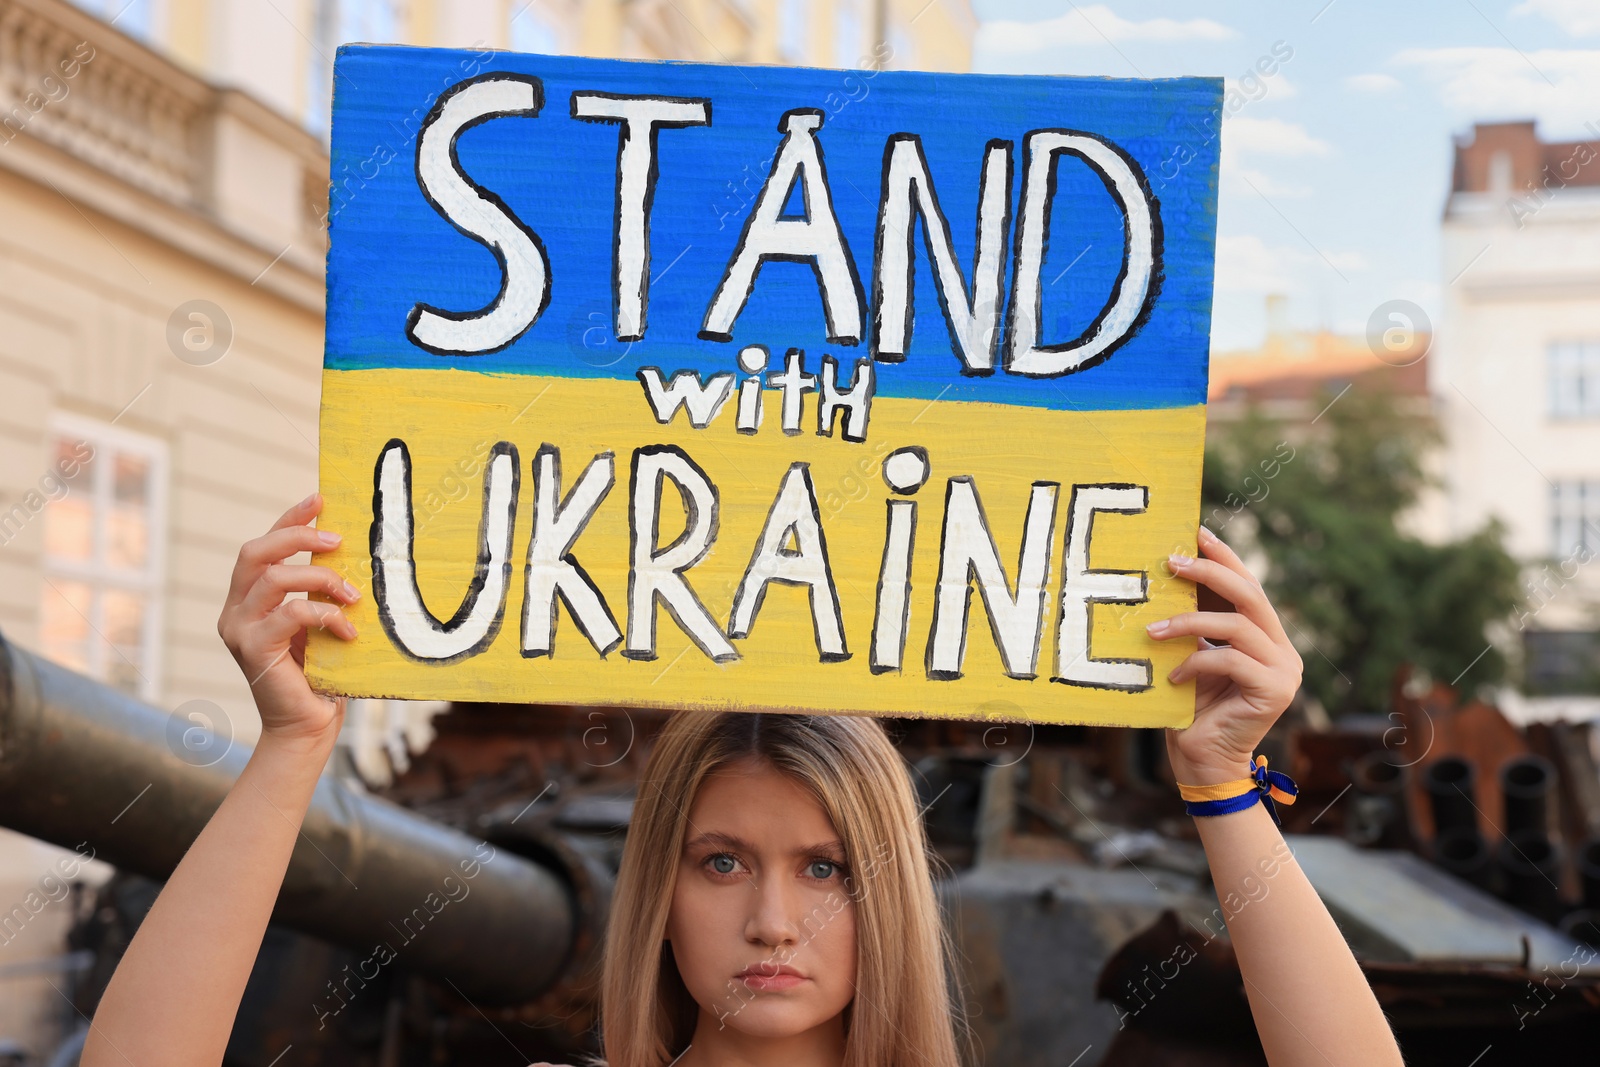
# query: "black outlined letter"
482,216
974,321
752,360
967,551
656,573
703,400
1081,588
855,399
552,570
905,470
414,629
1139,280
642,118
795,383
794,515
816,239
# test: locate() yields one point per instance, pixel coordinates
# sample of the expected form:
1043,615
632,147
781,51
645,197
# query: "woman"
774,904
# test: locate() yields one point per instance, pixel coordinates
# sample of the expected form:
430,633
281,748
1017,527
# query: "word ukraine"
1027,383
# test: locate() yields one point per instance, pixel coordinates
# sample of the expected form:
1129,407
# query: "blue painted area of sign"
558,176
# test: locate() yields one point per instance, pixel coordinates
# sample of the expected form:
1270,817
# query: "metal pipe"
1380,816
83,764
1589,872
1582,925
1464,854
1532,869
1452,784
1525,784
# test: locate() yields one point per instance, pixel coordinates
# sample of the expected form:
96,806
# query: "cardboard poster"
678,385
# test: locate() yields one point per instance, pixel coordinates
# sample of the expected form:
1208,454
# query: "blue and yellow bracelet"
1262,786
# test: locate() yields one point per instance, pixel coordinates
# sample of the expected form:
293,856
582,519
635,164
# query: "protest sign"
678,385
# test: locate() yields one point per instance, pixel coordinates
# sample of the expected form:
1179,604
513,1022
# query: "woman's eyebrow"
716,837
832,848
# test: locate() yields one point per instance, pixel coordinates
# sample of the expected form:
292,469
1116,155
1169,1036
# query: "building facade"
160,340
164,181
1516,379
282,52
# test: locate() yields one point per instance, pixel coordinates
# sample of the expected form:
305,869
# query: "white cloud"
1578,17
1270,137
1256,181
1247,264
1246,139
1346,262
1277,87
1376,84
1557,86
1093,24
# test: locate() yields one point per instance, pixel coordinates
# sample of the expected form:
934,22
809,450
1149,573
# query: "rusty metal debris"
1460,854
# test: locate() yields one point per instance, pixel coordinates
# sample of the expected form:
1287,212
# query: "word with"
812,925
53,485
658,573
817,239
343,189
1544,587
1247,88
1538,193
52,889
1581,954
702,401
452,891
52,90
1270,469
1228,908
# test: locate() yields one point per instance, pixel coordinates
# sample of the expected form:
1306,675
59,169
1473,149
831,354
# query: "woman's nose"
771,920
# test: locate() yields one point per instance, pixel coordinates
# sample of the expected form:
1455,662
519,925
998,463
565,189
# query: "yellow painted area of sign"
450,420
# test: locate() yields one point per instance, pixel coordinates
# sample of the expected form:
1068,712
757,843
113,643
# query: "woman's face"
762,929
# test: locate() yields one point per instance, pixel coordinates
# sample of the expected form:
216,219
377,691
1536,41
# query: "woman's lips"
768,979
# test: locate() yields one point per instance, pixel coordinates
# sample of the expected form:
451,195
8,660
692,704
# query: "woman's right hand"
266,632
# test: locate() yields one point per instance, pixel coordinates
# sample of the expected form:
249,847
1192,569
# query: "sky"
1336,168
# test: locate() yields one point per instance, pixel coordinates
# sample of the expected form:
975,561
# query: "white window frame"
1567,364
106,438
1584,494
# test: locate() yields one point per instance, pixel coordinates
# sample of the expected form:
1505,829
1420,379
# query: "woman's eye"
724,864
822,870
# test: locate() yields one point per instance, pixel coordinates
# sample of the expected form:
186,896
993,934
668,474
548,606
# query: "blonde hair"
905,1009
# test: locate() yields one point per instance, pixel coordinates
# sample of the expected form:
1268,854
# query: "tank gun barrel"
82,763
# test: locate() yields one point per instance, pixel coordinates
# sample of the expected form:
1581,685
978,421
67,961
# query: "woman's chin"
773,1017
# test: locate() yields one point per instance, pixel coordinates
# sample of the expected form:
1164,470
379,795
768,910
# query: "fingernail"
306,503
1178,559
1206,534
328,537
1157,628
351,591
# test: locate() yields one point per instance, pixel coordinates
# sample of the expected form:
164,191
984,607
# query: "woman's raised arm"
173,997
1311,1003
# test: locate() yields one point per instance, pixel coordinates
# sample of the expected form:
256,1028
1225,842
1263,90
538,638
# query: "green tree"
1361,596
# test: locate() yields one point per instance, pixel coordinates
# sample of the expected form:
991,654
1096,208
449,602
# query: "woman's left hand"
1245,671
